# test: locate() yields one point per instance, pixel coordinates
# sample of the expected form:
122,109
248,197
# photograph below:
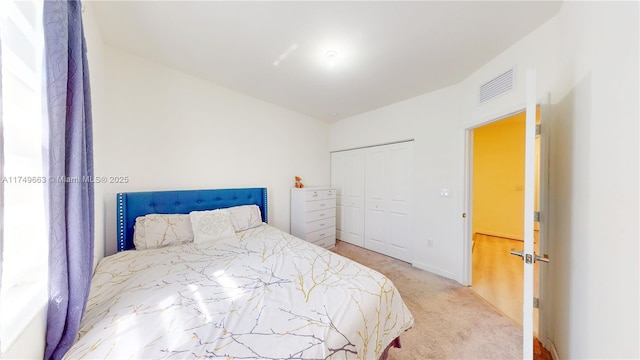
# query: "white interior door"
533,200
377,226
399,201
354,202
347,177
387,199
528,254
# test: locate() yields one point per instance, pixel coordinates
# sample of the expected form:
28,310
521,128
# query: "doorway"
497,221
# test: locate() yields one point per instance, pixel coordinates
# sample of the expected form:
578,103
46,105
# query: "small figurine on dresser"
299,183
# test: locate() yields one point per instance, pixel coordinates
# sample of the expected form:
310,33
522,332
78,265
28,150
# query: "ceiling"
277,51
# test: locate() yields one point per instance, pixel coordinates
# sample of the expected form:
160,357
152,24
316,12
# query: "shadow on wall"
569,212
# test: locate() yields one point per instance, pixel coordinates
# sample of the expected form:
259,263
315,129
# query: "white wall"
168,130
95,56
594,181
587,58
427,120
31,342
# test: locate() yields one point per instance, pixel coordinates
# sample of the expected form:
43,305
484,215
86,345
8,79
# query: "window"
23,290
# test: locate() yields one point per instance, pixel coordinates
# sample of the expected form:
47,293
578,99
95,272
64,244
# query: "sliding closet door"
355,198
347,177
388,220
377,227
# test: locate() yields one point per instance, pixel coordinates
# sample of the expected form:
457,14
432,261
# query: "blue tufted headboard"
131,205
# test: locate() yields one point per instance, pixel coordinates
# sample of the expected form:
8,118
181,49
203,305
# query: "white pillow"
158,230
245,217
211,225
139,234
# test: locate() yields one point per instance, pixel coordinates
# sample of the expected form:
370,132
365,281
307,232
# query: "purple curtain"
69,153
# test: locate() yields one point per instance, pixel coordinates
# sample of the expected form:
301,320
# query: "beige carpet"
451,321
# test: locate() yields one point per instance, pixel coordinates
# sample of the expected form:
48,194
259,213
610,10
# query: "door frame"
545,111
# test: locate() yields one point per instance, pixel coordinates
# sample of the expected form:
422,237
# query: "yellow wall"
498,178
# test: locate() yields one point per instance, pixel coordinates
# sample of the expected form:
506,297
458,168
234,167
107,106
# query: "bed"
260,293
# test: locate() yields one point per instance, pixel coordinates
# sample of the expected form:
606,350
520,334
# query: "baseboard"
434,270
499,234
552,349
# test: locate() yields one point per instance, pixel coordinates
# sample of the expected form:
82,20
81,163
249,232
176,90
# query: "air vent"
497,86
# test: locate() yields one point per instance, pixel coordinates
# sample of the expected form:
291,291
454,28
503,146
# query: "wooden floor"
497,275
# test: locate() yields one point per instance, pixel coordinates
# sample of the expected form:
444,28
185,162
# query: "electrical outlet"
430,243
444,192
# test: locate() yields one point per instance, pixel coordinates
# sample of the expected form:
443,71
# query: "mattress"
261,294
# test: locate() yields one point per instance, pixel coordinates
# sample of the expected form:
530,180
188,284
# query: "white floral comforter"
263,295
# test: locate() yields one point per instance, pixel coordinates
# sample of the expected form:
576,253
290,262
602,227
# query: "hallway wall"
498,178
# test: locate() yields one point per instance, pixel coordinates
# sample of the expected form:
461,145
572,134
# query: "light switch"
444,192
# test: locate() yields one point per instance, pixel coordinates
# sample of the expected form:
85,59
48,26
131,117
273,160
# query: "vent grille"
497,86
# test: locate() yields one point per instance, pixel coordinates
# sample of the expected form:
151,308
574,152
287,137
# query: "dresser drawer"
321,204
328,194
320,224
320,214
327,242
314,195
320,194
321,234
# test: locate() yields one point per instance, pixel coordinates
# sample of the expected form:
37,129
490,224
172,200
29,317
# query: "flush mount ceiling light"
331,57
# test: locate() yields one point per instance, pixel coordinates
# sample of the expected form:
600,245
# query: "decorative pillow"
139,234
211,225
245,217
158,230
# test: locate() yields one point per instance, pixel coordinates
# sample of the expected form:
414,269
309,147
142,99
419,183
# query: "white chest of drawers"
313,215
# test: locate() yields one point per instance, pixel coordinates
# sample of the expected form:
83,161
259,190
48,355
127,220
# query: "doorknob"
517,253
528,258
543,258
